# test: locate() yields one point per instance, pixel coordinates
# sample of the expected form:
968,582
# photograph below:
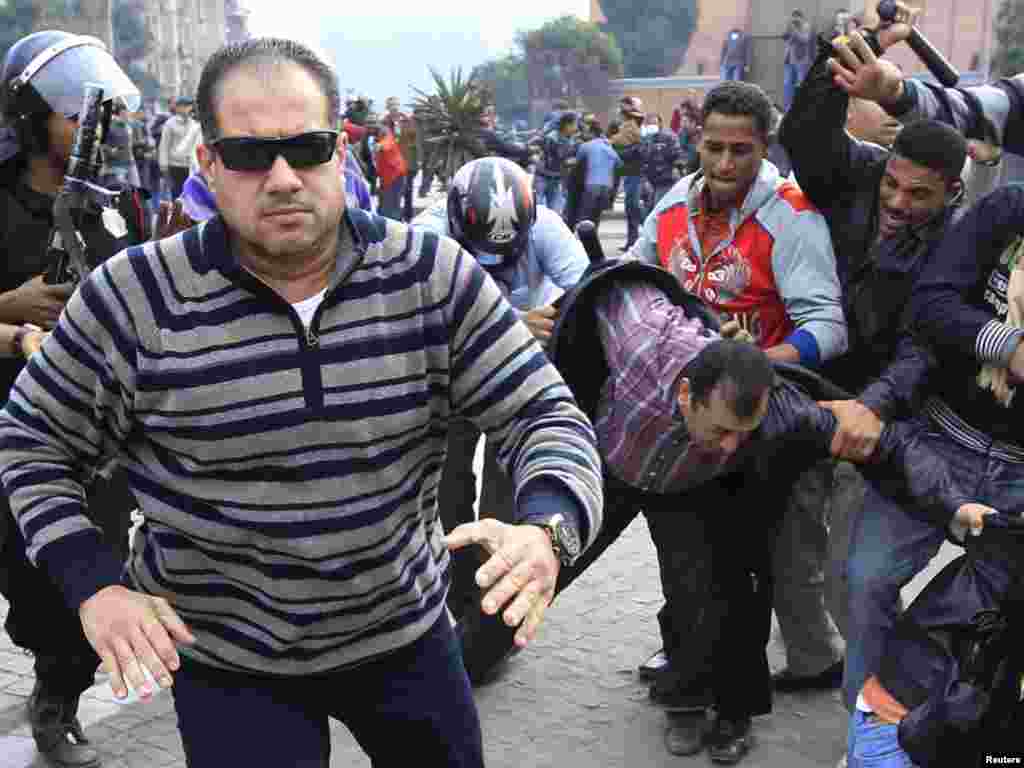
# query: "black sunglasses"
252,153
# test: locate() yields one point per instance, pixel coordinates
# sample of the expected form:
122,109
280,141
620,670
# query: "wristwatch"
565,540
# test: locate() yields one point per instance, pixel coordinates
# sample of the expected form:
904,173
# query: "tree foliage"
1008,58
450,119
16,20
654,35
570,33
569,59
506,79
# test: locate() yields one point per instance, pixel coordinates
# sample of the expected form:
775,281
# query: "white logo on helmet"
502,216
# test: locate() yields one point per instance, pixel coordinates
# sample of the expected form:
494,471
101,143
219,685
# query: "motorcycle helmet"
491,210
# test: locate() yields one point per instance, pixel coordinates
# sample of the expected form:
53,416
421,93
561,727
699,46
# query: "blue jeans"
390,200
417,697
549,192
634,208
732,71
874,744
792,76
888,547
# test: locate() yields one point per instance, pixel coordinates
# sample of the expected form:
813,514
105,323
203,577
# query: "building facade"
180,34
962,30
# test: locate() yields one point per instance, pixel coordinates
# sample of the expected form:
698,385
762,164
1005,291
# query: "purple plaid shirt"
640,430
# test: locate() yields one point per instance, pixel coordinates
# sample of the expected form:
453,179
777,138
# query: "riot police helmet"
47,72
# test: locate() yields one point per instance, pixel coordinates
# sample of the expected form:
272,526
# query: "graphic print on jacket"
736,278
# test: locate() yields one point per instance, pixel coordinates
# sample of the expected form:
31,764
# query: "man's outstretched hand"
130,630
522,569
860,73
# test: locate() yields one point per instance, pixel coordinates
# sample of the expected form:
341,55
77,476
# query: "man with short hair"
631,110
887,211
688,425
756,250
277,382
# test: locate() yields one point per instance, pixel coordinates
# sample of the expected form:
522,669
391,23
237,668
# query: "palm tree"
450,119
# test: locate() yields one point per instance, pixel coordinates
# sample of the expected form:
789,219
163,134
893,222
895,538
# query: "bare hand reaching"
857,432
130,630
860,73
522,569
37,302
541,322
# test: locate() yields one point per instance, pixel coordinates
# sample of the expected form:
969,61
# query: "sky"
384,49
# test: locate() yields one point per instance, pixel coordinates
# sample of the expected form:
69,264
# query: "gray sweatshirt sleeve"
804,266
992,111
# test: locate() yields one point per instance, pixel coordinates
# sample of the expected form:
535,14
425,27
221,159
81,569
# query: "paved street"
572,699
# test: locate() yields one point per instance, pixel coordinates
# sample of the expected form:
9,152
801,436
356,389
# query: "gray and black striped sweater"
288,477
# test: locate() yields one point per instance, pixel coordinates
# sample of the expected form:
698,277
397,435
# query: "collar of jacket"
761,191
905,251
214,249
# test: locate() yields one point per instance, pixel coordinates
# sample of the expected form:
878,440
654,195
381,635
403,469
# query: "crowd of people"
814,331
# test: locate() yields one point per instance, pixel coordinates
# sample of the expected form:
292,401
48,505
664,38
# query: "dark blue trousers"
413,703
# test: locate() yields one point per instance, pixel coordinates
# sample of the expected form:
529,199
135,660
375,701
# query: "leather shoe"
57,731
654,666
832,677
685,733
729,740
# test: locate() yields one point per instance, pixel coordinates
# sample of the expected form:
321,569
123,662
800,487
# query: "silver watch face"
568,539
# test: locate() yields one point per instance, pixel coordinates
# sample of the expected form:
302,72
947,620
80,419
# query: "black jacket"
25,224
960,304
842,176
794,433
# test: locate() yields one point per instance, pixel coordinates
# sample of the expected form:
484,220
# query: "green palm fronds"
450,119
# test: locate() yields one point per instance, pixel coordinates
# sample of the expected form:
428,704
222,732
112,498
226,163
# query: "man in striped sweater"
277,384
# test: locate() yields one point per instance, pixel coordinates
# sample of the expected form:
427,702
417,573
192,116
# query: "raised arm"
826,160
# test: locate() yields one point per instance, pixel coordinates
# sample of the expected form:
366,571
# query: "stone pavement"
572,699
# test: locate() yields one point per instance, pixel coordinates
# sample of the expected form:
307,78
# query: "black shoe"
57,731
675,700
831,678
729,740
685,733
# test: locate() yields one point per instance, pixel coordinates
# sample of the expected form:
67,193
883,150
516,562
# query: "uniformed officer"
41,88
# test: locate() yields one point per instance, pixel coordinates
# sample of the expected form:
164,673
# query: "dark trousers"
177,178
714,548
413,702
407,212
593,204
38,617
455,500
631,186
389,202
